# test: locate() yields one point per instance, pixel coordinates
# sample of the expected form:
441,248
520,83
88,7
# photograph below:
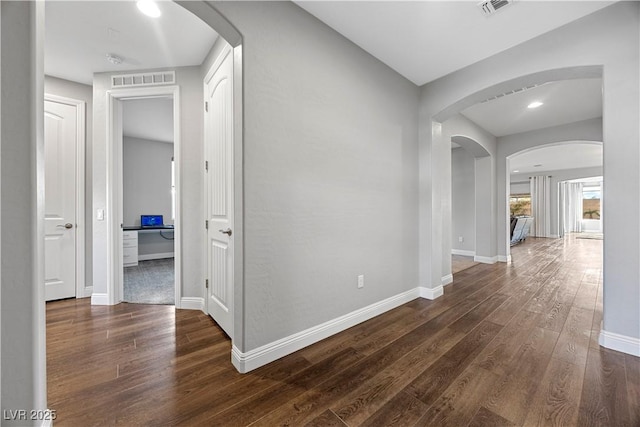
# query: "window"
173,189
591,203
520,204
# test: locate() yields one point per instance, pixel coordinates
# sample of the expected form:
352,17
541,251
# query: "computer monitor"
151,221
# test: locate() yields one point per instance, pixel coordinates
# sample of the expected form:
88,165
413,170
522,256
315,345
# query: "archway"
471,208
561,161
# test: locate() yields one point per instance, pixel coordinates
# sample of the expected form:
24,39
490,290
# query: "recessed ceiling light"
149,8
534,104
516,171
537,166
114,59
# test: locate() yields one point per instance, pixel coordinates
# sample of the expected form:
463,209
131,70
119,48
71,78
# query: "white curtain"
541,205
571,207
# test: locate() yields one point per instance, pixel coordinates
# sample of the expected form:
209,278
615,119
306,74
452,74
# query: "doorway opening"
145,191
149,196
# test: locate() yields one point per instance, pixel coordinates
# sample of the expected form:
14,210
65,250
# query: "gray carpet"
150,282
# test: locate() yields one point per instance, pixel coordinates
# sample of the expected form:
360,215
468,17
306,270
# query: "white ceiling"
150,119
425,40
579,154
565,102
79,35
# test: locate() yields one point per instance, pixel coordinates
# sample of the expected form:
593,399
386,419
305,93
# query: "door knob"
227,231
67,225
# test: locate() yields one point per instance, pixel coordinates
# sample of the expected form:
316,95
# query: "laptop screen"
151,220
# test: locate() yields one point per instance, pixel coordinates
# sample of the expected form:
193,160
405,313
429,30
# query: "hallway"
506,345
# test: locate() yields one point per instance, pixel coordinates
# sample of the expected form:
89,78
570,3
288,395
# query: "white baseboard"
99,299
445,280
432,294
554,236
245,362
462,252
86,292
486,259
156,256
622,343
192,303
504,258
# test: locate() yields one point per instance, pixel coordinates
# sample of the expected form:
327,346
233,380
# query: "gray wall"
607,39
463,185
81,92
146,176
482,145
330,173
191,100
22,314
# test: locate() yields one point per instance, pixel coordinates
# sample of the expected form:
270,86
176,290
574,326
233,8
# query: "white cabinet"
130,248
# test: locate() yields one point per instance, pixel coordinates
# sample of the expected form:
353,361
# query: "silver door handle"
228,232
67,225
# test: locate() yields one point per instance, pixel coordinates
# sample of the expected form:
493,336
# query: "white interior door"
60,141
219,197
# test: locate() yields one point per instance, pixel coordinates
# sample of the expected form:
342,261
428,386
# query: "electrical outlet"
361,281
460,239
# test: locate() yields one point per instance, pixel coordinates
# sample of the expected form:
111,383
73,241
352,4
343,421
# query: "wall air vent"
143,79
489,7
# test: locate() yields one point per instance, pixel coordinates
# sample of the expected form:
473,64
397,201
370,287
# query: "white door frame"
114,185
80,107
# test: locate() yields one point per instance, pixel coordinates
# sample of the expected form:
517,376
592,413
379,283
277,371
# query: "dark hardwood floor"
507,345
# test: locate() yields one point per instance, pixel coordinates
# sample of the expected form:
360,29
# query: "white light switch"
100,214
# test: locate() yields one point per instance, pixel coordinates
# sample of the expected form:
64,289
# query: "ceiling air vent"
492,6
144,79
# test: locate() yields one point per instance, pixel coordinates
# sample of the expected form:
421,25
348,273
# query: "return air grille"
492,6
144,79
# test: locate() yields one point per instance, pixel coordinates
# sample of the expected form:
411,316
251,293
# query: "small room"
148,201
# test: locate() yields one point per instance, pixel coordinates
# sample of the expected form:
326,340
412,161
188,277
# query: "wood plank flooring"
507,345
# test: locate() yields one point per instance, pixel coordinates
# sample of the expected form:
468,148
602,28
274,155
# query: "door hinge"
206,283
206,224
206,106
206,165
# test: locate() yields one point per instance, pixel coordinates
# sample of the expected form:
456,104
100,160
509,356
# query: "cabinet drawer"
129,235
130,243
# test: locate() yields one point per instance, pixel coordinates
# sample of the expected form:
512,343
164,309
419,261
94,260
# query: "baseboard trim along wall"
446,279
432,294
486,259
253,359
504,258
192,303
86,292
622,343
156,256
462,252
99,299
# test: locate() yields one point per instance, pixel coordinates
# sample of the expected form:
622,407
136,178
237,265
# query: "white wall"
23,370
463,218
191,102
330,173
81,92
607,41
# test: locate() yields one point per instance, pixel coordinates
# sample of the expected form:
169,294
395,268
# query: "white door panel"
60,200
219,209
